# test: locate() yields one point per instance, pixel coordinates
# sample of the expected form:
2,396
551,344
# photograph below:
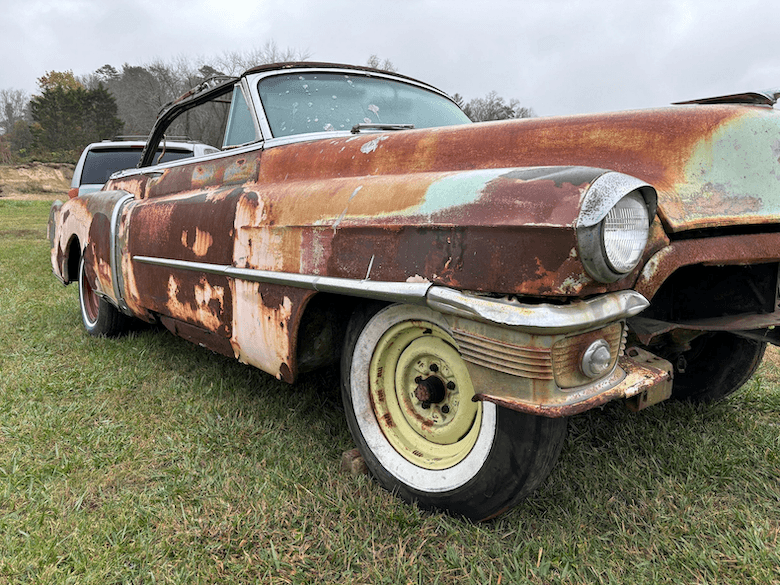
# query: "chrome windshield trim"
536,319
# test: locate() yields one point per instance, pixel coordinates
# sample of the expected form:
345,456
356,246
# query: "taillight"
73,192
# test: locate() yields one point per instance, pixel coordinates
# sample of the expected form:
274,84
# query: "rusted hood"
712,165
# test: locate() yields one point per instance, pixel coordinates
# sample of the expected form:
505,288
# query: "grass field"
149,460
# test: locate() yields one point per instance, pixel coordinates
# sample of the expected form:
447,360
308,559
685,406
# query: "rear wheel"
100,317
717,365
408,400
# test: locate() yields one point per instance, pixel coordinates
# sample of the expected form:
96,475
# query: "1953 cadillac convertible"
479,283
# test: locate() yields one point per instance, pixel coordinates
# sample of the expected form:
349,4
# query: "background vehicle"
100,160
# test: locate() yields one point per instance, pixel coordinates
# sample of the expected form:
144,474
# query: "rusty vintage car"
478,283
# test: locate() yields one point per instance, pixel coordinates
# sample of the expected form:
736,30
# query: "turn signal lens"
597,359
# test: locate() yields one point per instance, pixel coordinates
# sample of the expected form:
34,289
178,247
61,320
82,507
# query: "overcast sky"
557,57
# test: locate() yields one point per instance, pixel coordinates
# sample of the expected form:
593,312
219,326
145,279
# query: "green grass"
149,460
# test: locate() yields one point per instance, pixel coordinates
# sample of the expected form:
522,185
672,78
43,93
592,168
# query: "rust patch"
203,241
207,339
204,175
640,377
286,373
266,334
203,304
98,266
241,171
741,249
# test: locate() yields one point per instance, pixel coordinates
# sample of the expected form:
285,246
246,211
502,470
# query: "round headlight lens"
625,231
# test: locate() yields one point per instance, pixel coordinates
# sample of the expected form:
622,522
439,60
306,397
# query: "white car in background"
100,160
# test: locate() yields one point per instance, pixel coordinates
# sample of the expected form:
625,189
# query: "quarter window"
240,126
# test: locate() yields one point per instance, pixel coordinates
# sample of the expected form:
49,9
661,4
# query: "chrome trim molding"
115,258
398,292
542,318
606,191
536,319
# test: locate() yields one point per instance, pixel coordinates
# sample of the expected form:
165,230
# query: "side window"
240,126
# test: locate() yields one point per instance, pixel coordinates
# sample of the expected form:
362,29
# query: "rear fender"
91,220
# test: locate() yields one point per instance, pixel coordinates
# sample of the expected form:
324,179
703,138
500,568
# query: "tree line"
71,111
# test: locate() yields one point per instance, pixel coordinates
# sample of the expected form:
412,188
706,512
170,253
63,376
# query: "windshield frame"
253,80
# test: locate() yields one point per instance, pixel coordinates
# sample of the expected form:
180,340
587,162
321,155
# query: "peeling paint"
203,241
372,145
208,304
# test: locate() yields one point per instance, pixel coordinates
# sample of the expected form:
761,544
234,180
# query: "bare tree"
376,63
494,107
236,62
141,90
13,108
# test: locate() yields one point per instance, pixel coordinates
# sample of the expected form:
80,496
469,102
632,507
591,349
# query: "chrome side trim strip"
398,292
537,319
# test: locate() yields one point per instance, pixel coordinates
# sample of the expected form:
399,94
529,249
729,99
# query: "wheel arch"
70,265
321,329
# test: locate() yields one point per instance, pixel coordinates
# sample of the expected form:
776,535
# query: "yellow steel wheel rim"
421,394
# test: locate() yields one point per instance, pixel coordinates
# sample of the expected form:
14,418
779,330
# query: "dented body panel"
479,222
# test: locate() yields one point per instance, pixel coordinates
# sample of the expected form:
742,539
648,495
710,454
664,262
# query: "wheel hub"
421,393
430,390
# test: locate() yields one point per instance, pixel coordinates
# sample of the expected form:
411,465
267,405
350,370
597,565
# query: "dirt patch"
770,367
35,181
772,355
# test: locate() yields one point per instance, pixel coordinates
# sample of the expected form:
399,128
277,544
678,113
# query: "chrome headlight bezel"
604,194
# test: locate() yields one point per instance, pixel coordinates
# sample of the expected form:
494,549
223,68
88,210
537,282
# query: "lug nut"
434,368
445,409
450,385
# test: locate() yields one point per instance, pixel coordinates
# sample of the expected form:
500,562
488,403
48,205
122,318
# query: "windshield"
100,164
300,103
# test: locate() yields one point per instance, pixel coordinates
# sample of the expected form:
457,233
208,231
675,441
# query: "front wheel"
100,318
408,401
716,365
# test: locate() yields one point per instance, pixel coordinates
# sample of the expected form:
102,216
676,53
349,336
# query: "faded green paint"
735,173
456,190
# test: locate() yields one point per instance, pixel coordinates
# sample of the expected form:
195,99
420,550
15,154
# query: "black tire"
717,365
100,318
495,457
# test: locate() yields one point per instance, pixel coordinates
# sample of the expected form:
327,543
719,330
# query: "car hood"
713,166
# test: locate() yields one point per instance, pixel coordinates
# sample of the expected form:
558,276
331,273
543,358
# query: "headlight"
624,233
613,225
